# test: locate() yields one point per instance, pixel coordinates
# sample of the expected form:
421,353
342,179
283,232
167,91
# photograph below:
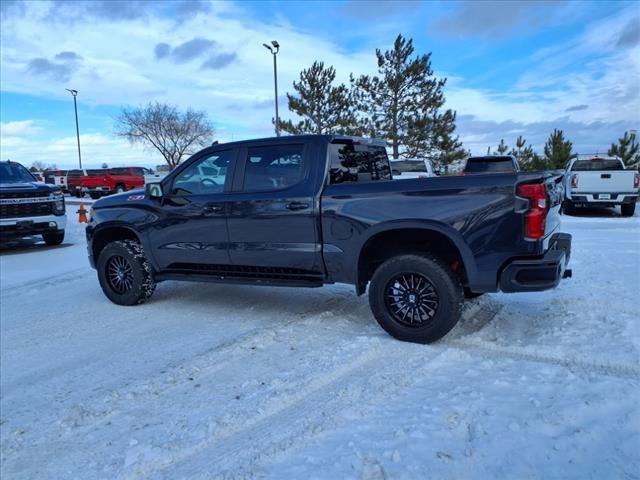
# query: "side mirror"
153,190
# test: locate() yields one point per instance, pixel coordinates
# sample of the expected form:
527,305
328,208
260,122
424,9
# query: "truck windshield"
489,165
597,164
14,173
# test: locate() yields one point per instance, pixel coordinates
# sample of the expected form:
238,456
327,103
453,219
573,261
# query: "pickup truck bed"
311,210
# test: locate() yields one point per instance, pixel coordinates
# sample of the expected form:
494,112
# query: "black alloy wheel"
411,299
120,274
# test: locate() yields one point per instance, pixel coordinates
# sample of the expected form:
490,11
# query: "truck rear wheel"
125,275
628,209
415,298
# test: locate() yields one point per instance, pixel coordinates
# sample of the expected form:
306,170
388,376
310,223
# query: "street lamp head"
275,43
268,47
72,92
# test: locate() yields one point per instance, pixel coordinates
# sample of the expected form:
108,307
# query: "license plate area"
604,196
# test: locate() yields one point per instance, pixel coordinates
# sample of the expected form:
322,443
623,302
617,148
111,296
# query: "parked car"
304,211
600,182
29,207
491,164
411,168
105,181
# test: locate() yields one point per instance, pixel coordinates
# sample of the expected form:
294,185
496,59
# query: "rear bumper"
534,275
599,199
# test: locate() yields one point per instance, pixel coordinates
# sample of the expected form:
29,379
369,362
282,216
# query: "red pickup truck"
98,183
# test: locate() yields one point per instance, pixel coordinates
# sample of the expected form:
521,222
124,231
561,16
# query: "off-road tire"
53,238
143,284
628,209
445,283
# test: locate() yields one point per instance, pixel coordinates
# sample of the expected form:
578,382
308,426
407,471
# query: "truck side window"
273,168
206,175
358,163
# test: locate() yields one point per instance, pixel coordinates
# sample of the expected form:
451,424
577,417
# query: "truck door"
191,232
272,219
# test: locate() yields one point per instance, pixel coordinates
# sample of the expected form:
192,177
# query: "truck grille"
31,208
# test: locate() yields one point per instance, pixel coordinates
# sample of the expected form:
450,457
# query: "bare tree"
40,166
163,127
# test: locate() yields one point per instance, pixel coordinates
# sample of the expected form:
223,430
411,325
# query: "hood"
28,187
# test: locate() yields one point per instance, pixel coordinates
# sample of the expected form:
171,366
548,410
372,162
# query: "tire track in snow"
26,287
103,408
305,413
490,350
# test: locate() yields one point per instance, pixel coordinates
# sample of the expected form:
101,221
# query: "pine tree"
446,147
557,150
627,150
502,148
402,103
324,108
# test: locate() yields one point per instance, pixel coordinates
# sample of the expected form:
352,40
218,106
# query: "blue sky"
513,68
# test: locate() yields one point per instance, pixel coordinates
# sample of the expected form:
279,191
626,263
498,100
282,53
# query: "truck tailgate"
605,181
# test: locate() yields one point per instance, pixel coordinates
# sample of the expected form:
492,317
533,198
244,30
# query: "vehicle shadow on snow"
595,212
27,245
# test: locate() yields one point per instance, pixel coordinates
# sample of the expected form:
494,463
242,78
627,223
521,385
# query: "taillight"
574,181
535,217
636,180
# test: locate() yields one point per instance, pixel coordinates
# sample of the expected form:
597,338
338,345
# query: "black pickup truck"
305,211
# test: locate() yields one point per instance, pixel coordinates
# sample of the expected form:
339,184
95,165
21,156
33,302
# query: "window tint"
273,168
358,163
119,171
74,173
597,164
489,165
97,172
206,175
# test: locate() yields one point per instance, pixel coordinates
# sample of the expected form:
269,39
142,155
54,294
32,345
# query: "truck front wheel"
125,275
415,298
628,209
53,238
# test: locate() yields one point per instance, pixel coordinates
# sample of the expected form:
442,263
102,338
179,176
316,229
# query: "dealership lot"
212,380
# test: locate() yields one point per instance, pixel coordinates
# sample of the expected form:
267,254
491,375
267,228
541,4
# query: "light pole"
274,48
75,107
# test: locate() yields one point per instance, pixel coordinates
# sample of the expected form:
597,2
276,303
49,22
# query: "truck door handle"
213,209
297,205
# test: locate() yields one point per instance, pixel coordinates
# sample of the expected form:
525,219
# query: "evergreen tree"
401,103
447,147
627,150
557,150
502,148
324,108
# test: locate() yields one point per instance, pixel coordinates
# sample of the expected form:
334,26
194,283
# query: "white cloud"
18,128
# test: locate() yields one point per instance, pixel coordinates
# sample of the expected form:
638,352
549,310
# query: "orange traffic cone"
82,214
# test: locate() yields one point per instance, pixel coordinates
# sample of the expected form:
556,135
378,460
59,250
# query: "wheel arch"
397,238
108,234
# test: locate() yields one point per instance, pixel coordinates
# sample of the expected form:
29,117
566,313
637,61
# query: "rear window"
96,173
409,166
489,165
74,173
358,163
597,164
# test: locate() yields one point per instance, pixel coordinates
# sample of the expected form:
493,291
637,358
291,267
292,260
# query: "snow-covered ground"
211,381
